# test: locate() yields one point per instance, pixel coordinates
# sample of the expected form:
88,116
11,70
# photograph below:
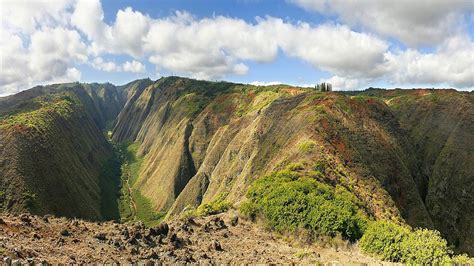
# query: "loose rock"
65,232
215,245
101,236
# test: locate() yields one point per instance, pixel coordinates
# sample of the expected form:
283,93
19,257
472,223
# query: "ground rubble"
218,239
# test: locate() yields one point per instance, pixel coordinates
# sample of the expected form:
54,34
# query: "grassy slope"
49,153
131,167
54,151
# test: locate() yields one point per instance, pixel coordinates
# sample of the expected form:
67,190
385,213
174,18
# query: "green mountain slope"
405,155
440,124
54,157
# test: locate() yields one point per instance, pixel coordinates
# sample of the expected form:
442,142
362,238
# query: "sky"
353,44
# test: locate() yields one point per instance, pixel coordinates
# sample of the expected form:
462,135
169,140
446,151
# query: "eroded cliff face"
203,139
441,126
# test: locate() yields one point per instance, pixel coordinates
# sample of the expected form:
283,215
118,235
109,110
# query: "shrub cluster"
289,201
389,241
218,205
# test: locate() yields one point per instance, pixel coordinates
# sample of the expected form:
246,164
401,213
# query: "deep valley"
287,161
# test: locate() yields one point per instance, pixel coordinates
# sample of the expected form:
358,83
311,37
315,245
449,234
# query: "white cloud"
100,64
52,50
207,48
133,66
263,83
451,64
23,16
421,22
333,48
48,57
87,17
109,66
129,30
41,42
211,48
341,83
71,75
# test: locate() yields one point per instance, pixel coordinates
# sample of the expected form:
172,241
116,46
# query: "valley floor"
214,239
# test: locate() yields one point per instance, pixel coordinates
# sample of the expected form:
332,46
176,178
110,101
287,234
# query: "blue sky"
283,69
352,44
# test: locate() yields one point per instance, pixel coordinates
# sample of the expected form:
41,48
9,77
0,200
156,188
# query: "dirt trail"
133,205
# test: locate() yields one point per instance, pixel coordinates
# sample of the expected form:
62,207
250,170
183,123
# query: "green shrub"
384,239
218,205
424,246
289,201
306,146
249,209
462,259
295,166
389,241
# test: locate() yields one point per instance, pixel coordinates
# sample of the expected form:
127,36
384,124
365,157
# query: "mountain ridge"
200,140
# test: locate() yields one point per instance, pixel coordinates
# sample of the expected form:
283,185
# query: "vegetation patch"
384,240
306,146
109,186
218,205
133,206
48,108
145,211
400,243
289,201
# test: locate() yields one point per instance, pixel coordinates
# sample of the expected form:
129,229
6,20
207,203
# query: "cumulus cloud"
23,16
48,58
109,66
334,48
342,83
263,83
451,64
42,42
133,66
211,48
87,17
415,23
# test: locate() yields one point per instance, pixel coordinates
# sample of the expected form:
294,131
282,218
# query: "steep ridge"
202,139
440,123
54,156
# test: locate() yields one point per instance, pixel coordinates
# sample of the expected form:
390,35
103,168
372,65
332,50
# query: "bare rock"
215,245
234,220
125,234
46,218
25,218
7,261
101,236
65,232
162,229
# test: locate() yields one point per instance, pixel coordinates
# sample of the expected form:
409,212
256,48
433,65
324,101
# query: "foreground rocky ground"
222,238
